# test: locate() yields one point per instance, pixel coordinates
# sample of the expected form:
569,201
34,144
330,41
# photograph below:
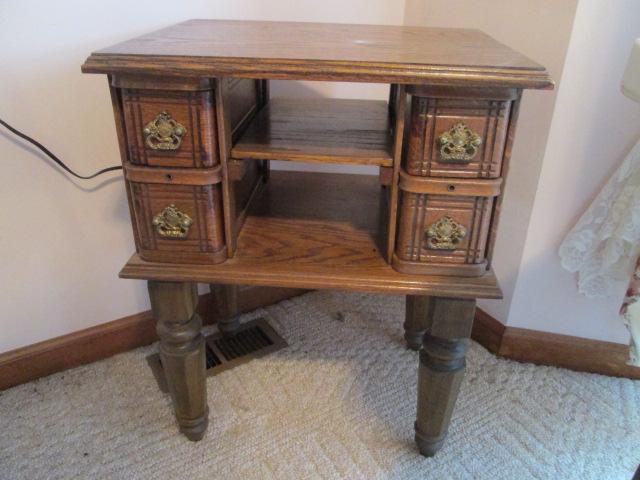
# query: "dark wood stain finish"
182,353
309,230
225,300
442,363
416,319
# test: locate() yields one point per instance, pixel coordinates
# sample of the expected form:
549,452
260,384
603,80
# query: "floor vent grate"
252,340
212,358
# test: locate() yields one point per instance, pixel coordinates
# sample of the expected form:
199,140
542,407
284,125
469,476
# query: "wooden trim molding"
173,176
96,343
552,349
487,331
447,186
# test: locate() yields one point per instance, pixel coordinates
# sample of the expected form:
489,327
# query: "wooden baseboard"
487,331
96,343
102,341
542,348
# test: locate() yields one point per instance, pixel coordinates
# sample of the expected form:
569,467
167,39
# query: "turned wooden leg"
416,318
442,363
182,353
225,299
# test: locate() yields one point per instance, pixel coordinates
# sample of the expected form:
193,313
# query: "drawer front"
444,227
170,128
178,223
457,137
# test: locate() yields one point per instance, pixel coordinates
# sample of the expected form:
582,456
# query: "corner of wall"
415,12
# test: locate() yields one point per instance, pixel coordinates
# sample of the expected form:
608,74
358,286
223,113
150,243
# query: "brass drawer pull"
459,145
445,234
163,133
172,223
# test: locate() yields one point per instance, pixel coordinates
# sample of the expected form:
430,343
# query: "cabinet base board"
102,341
447,269
552,349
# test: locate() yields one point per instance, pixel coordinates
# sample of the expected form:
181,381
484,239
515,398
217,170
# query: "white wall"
541,30
593,127
62,241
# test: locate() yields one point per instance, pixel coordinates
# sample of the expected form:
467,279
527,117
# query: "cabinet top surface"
319,51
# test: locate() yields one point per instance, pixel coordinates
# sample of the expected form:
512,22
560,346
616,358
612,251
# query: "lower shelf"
314,231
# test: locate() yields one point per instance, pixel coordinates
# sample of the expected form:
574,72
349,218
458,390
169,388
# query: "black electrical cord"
49,154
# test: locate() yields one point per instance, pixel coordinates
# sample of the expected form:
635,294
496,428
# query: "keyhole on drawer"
169,177
451,188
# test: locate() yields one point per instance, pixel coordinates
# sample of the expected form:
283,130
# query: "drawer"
451,135
177,214
170,128
444,225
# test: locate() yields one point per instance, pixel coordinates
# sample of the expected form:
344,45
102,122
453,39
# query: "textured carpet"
339,402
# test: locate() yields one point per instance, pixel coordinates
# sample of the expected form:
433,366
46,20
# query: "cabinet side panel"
495,216
241,97
116,102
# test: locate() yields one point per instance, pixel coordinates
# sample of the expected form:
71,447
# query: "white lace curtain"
604,245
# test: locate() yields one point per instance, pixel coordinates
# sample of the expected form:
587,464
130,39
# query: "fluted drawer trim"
450,186
173,176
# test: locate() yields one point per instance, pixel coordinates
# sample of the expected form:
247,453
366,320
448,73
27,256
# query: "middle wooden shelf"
323,130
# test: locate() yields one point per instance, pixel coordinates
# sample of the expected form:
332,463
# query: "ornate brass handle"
172,223
459,145
445,234
163,133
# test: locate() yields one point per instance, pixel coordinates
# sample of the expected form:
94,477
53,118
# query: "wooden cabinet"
172,167
197,130
175,179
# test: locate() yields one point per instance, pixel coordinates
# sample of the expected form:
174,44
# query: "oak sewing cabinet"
197,130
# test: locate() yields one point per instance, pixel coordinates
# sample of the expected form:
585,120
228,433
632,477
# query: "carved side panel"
241,97
238,101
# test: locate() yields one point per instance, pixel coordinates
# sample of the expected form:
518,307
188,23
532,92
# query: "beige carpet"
339,402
